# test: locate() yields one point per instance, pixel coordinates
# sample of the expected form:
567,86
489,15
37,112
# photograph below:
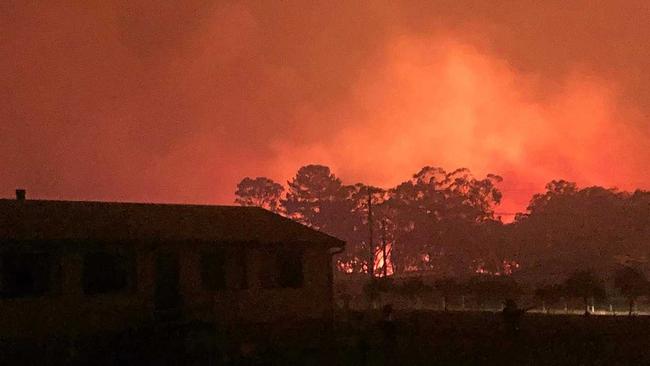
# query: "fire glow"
150,111
506,268
442,101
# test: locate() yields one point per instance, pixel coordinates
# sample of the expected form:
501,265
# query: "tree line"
476,291
444,222
434,215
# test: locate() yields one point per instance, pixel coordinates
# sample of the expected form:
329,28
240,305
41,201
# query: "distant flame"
506,268
350,265
379,261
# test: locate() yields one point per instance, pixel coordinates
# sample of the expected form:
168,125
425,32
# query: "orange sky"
151,102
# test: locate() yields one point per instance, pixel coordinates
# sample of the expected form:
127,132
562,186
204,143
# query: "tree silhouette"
585,285
315,196
632,283
436,212
357,230
492,288
554,189
261,192
567,227
444,222
549,295
434,221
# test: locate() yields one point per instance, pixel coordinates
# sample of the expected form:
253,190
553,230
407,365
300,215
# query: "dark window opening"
290,268
213,273
104,273
282,268
240,270
268,270
24,274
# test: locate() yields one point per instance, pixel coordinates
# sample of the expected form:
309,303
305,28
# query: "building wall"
261,305
67,311
256,303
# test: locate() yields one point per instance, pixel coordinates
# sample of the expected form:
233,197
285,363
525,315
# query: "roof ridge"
48,219
293,222
173,204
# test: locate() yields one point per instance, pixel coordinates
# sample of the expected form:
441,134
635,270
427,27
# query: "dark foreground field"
430,338
483,339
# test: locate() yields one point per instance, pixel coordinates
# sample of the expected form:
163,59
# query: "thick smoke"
177,103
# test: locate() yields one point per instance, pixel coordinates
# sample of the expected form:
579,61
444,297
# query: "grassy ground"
416,338
434,338
483,338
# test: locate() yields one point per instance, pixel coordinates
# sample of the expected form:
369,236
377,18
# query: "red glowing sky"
176,103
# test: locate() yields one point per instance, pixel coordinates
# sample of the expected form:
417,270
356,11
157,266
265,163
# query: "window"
221,269
239,270
105,272
282,268
213,271
268,270
290,271
24,274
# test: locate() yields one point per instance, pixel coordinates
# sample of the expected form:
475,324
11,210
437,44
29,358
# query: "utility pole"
371,261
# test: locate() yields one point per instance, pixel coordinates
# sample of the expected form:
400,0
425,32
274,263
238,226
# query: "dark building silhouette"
83,267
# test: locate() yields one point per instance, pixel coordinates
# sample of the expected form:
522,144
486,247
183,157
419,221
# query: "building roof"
114,221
